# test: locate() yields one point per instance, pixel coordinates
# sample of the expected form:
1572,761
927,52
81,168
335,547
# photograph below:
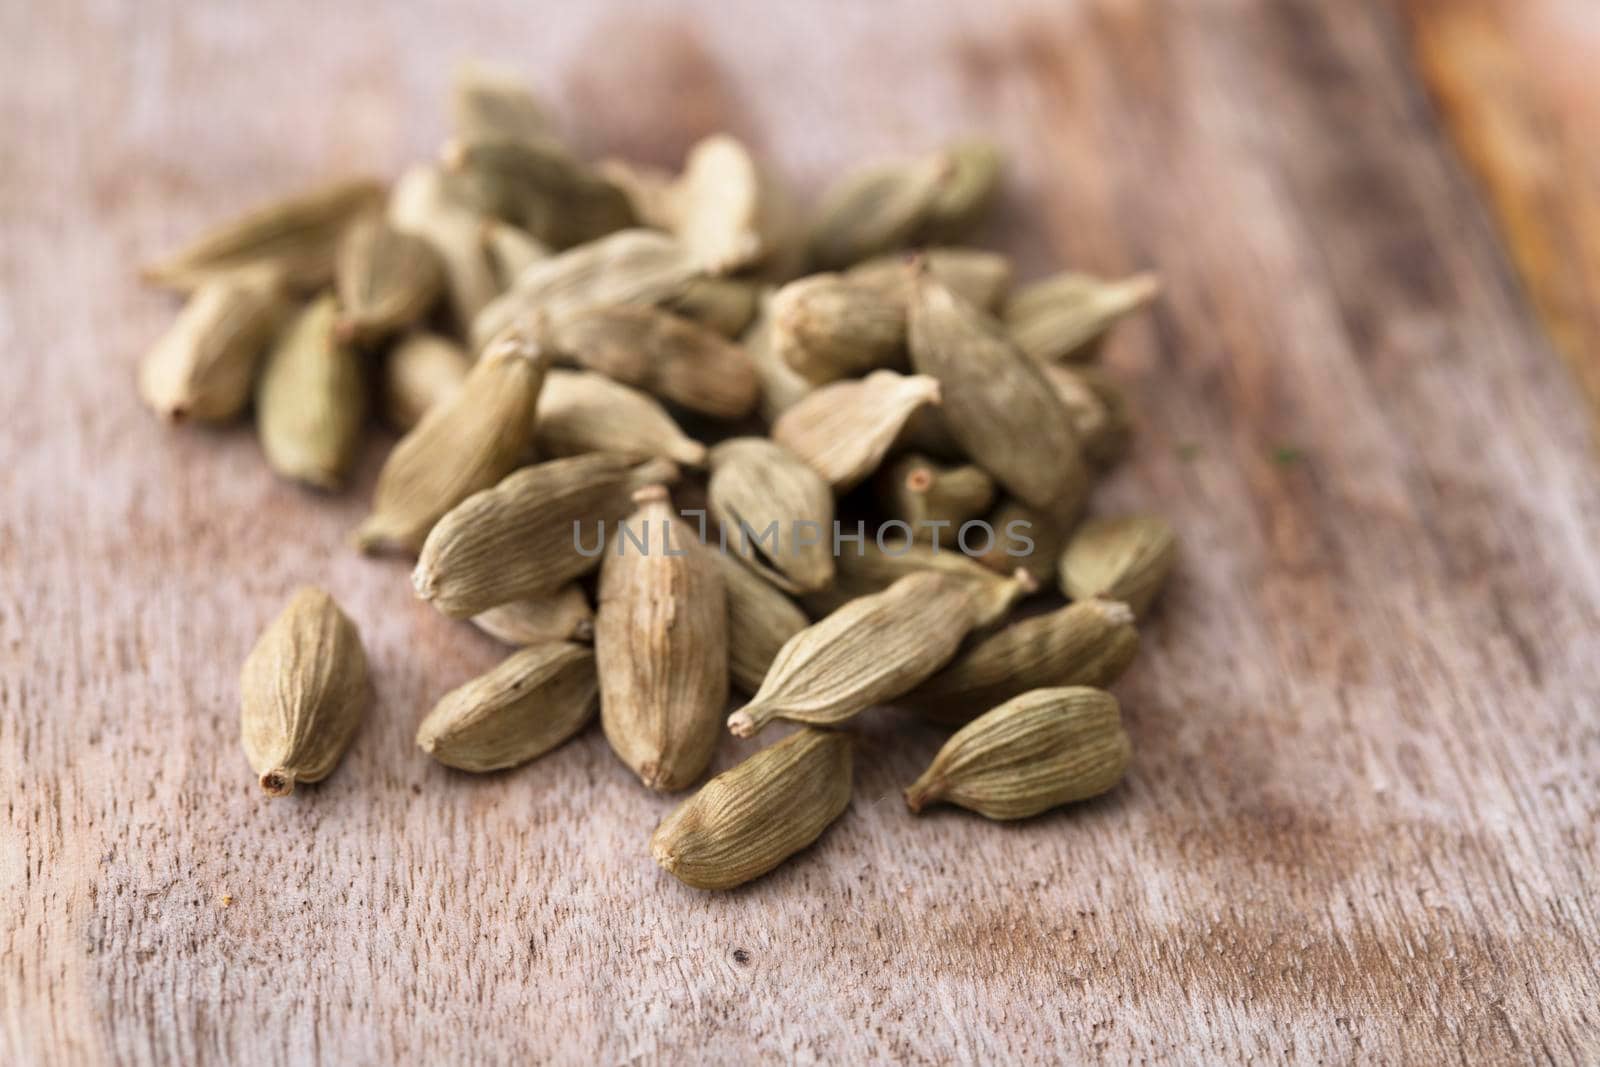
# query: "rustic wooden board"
1361,820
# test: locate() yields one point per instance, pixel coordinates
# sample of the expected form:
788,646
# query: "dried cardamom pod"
1125,558
760,620
526,536
423,204
651,191
532,702
630,267
296,237
464,444
827,327
726,305
303,692
781,386
580,411
205,366
560,616
489,102
661,642
421,370
979,277
1091,642
1032,753
776,512
1064,317
386,278
668,356
996,401
311,402
872,650
510,250
537,184
932,499
748,820
845,429
1025,537
971,179
872,565
876,210
726,211
1099,413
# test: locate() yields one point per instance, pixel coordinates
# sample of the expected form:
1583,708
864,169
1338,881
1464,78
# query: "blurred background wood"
1360,824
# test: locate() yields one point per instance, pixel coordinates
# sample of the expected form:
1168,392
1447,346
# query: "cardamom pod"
537,184
828,327
421,370
532,702
303,691
776,512
876,210
1091,642
874,566
386,278
580,411
749,819
651,191
996,401
524,537
311,402
932,499
1125,559
1025,537
424,204
760,619
1064,317
490,102
970,181
846,428
560,616
205,366
661,643
727,212
670,357
781,386
871,650
725,305
296,237
1099,411
979,277
464,444
1033,753
510,250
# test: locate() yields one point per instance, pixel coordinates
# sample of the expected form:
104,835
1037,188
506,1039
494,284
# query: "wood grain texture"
1515,86
1360,822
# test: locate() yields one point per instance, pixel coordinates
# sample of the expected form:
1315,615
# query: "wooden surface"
1360,824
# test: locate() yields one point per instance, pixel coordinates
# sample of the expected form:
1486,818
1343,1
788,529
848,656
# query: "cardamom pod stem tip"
277,782
1114,611
742,724
921,793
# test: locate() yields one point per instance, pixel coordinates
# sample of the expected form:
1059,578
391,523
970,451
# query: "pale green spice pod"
1126,558
311,402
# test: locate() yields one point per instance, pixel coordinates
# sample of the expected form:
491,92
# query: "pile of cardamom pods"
563,345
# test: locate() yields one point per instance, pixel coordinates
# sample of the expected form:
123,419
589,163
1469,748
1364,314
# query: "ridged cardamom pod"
631,267
971,180
580,411
1025,537
564,615
386,279
726,305
761,619
1064,317
423,204
420,370
539,185
980,277
462,445
311,401
1088,643
204,367
510,250
870,567
661,642
1099,411
749,819
727,212
875,210
827,327
532,702
872,650
489,102
527,536
1032,753
1126,558
917,490
844,430
996,401
303,692
781,385
776,512
668,356
296,237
